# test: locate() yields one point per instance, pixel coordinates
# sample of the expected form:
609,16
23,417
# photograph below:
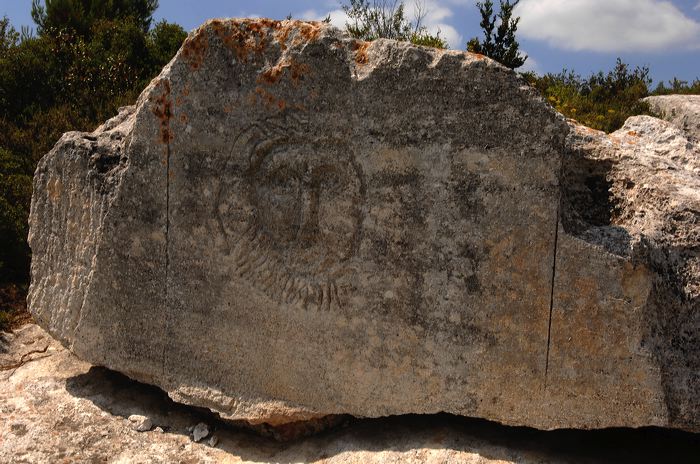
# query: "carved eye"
281,179
327,177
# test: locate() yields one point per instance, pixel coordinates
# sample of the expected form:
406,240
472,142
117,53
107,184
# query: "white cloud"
530,64
607,26
250,15
338,17
435,19
449,33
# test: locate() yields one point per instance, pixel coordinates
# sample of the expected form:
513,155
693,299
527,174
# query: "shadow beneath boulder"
5,340
399,437
121,396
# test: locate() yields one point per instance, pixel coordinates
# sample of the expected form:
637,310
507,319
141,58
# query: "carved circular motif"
291,212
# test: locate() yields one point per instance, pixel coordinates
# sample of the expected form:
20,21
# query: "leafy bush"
601,101
15,198
386,19
677,86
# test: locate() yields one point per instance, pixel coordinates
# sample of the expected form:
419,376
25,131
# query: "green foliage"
501,44
163,42
88,59
8,35
602,101
15,198
80,15
387,19
13,305
677,86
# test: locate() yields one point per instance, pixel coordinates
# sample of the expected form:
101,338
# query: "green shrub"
601,101
386,19
89,58
15,199
677,86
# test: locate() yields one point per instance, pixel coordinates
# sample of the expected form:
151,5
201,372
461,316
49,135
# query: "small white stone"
200,431
140,423
158,429
213,441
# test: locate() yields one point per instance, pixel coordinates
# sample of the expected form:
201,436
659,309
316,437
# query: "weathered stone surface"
681,110
57,408
636,194
291,224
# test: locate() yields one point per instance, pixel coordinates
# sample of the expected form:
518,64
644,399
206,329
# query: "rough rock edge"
647,178
683,111
104,172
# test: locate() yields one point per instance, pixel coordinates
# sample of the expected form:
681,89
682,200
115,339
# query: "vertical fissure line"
551,294
165,114
167,249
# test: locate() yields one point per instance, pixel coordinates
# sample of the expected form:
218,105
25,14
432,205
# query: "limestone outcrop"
681,110
291,224
636,194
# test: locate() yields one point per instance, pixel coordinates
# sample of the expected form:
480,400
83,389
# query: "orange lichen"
245,37
309,31
266,96
248,37
360,48
282,34
274,74
163,111
194,49
240,37
633,133
262,95
252,99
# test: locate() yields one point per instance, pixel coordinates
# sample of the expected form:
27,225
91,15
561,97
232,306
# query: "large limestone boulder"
291,224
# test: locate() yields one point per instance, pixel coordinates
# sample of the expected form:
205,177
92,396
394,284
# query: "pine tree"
501,45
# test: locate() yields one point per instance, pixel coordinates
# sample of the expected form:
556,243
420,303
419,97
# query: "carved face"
291,214
308,205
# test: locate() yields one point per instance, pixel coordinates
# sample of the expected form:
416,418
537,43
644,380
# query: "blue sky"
584,35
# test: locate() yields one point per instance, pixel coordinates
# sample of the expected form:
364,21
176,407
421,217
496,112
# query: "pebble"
140,423
200,431
213,441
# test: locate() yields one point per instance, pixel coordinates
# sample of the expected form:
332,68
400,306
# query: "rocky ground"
56,408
